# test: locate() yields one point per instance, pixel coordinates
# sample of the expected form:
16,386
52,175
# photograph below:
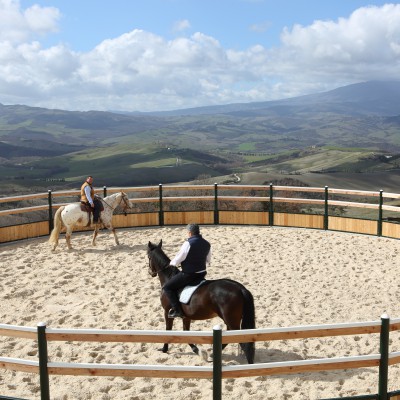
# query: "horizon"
200,107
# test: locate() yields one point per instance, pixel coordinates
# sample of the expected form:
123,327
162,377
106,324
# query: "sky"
158,55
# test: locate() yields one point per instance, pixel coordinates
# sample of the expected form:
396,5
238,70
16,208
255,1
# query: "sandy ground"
297,277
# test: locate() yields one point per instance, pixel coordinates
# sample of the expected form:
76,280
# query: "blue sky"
168,54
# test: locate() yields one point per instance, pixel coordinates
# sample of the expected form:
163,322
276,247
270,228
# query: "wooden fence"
216,204
225,204
217,337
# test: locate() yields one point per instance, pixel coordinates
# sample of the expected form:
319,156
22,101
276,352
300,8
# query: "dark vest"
196,259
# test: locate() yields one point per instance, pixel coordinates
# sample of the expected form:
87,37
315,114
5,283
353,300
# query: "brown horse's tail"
55,233
248,322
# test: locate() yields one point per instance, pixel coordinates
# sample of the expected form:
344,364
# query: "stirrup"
172,313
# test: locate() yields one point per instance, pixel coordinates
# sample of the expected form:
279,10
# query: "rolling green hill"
355,129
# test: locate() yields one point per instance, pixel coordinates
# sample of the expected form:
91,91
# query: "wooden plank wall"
134,220
299,220
187,217
353,225
243,218
391,230
25,231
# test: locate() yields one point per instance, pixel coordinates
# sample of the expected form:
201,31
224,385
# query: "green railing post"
384,361
217,362
380,214
326,215
50,201
104,191
271,205
161,211
216,211
43,359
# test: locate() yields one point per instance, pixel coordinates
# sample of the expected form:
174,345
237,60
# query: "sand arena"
297,277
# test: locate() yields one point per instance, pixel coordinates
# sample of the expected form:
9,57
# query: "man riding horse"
193,256
88,199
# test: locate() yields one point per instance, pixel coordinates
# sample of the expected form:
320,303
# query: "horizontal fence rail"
216,337
269,205
306,207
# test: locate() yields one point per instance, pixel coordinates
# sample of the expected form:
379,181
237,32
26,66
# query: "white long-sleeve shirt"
182,254
88,196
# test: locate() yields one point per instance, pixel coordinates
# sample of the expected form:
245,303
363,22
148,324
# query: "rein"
106,204
120,201
163,268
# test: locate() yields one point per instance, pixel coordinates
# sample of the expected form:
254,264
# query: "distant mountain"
367,98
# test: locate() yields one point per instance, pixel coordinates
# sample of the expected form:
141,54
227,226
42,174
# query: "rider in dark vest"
193,256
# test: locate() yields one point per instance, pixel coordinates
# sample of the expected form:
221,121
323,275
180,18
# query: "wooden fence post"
326,211
160,211
384,361
217,362
216,212
380,214
271,205
43,359
50,201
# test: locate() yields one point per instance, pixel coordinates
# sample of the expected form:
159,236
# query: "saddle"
188,291
87,208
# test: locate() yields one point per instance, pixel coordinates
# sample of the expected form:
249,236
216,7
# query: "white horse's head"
126,203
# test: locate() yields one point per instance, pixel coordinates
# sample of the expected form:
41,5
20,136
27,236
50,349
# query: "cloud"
181,25
143,71
17,25
260,27
364,46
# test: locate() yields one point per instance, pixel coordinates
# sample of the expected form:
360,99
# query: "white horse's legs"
95,232
115,236
68,234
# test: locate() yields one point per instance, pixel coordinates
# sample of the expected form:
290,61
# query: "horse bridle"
126,205
151,270
123,197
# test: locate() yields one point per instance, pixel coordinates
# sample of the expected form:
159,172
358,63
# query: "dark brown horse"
225,298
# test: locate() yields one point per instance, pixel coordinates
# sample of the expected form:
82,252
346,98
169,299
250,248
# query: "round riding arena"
297,277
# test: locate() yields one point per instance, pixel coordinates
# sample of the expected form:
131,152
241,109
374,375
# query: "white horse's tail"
55,233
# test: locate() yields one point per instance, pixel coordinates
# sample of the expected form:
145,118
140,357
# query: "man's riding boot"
176,312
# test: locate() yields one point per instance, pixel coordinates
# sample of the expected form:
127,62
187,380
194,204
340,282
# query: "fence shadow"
272,355
122,248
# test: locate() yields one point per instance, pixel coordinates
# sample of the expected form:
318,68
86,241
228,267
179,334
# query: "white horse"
71,216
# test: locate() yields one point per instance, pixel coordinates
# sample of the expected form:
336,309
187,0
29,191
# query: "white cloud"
143,71
260,27
181,25
363,46
17,25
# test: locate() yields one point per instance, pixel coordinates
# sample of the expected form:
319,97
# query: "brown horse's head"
157,258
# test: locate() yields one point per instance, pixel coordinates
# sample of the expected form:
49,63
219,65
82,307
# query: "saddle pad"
187,292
